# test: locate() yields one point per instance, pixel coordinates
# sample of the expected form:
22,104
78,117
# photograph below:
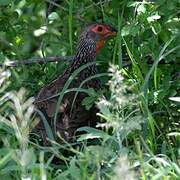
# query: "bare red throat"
99,45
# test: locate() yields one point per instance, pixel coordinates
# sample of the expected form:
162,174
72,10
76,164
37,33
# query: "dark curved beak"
112,31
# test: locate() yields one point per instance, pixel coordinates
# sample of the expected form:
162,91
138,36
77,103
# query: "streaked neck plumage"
85,52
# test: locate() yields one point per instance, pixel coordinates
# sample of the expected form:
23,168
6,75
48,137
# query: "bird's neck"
85,53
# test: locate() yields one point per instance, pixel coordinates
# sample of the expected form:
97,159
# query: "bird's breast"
99,45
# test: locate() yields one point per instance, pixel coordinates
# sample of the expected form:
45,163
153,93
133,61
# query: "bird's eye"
99,28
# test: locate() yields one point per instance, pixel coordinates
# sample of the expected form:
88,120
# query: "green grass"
138,137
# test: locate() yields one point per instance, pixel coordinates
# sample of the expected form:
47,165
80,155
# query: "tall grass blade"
85,81
70,79
70,24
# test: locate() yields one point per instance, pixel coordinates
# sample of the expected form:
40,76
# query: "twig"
95,4
56,4
15,63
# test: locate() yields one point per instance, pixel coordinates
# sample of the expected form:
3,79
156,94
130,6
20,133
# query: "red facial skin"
103,31
99,45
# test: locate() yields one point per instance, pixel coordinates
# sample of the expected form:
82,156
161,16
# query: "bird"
92,38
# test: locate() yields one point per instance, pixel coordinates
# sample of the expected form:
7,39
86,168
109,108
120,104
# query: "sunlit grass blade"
134,62
46,125
70,24
118,43
6,159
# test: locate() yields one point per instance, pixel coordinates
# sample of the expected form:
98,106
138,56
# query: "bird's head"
98,33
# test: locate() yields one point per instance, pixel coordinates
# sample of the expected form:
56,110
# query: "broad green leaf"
53,16
177,99
153,18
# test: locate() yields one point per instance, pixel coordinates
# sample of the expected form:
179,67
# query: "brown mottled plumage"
90,42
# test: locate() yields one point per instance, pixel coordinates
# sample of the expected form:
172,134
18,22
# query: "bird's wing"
46,98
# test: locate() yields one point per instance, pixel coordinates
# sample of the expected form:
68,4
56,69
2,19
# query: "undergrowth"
138,136
120,152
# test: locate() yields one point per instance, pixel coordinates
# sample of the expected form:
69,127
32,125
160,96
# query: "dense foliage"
139,136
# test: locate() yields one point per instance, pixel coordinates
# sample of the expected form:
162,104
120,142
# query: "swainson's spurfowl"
90,42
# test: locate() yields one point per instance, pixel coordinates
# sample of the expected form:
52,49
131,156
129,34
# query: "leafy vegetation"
139,136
